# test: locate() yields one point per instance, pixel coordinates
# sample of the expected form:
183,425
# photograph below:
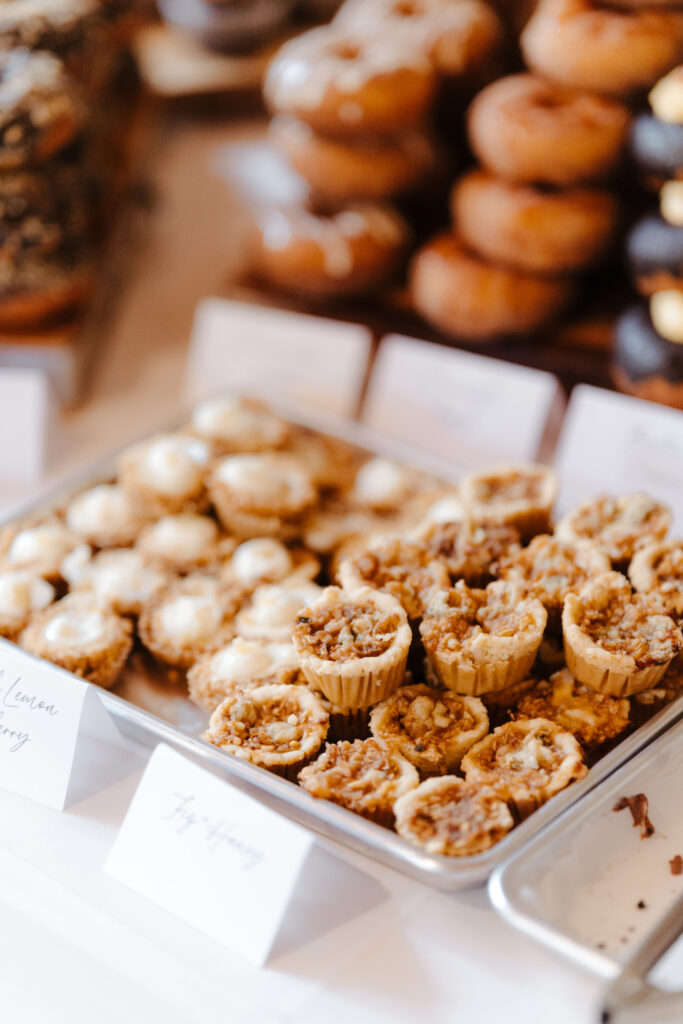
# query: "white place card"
305,360
615,444
27,420
209,854
466,408
57,741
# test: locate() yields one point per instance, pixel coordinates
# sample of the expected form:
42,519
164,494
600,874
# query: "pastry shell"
518,494
618,526
648,576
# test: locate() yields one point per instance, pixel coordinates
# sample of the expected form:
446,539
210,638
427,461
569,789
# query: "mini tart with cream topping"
241,665
615,641
119,579
270,614
185,542
431,728
403,568
363,776
593,718
469,548
381,484
22,593
267,560
479,641
166,474
280,728
618,526
657,569
353,647
261,495
525,762
82,637
331,462
192,617
451,817
550,568
519,495
232,425
38,547
106,516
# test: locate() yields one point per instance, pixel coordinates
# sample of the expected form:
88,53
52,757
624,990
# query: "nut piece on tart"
617,641
452,817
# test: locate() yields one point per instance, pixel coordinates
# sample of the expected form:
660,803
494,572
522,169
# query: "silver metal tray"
151,712
589,887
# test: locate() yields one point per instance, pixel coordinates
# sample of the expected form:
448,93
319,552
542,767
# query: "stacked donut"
648,342
537,213
58,60
354,102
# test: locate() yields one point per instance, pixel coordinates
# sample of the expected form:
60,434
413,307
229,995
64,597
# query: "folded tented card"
301,359
466,408
57,741
614,444
26,423
209,854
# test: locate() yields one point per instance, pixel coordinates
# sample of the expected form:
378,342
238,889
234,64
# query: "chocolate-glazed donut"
643,362
654,251
657,148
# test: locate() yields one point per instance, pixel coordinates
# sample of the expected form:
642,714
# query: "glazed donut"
339,171
654,253
644,363
657,148
526,129
457,37
468,298
345,83
532,229
229,27
333,255
583,45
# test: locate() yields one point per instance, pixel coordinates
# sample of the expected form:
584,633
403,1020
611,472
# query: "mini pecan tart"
166,473
79,636
451,817
482,640
431,728
233,425
469,549
241,665
37,547
119,579
657,569
593,718
353,647
271,612
262,495
280,728
550,568
403,568
106,516
21,594
616,641
194,616
518,495
618,526
185,542
363,776
267,560
525,762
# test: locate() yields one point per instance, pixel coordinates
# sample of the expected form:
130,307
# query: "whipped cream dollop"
21,593
174,465
122,577
264,480
73,628
103,509
244,661
261,559
234,422
48,542
381,482
186,536
275,605
191,618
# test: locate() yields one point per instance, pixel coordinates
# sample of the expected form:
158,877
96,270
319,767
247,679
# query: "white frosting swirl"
174,465
73,629
261,559
232,421
185,536
381,482
22,592
103,509
48,542
191,618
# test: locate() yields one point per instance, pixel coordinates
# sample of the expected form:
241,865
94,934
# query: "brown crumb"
641,904
676,865
638,806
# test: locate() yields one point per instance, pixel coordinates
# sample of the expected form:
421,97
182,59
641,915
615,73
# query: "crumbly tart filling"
593,718
451,817
520,495
616,641
525,762
364,776
81,637
433,729
277,727
657,569
618,526
482,640
402,568
241,665
470,549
